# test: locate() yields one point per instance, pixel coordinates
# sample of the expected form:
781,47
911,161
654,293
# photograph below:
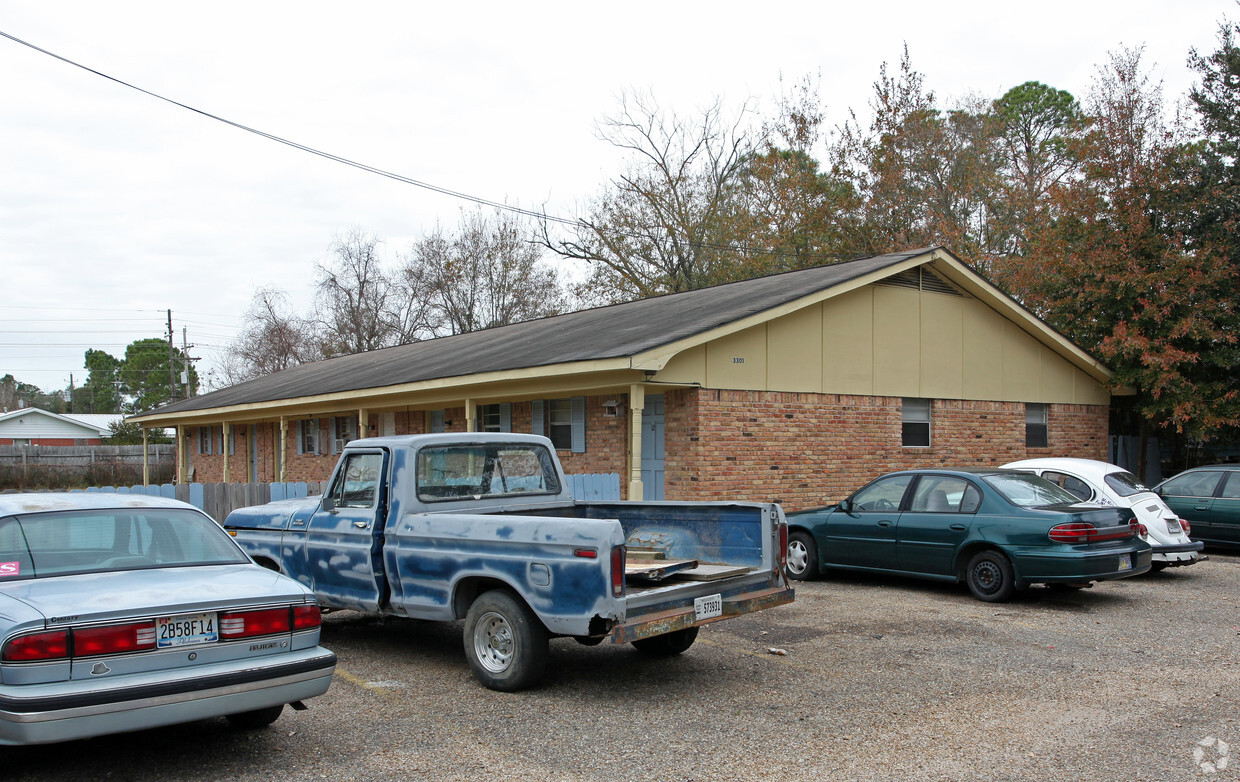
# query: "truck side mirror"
329,503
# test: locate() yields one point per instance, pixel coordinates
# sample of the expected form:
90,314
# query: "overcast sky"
116,207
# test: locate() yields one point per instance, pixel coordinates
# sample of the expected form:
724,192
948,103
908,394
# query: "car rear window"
94,541
1124,483
1029,491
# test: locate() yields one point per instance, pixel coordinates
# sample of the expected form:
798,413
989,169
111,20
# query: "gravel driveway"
882,678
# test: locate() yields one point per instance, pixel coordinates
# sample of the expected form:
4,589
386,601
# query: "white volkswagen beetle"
1107,484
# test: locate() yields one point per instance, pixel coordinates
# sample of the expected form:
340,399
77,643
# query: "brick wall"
803,450
800,450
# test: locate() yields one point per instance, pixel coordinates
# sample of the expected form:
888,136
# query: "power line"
303,147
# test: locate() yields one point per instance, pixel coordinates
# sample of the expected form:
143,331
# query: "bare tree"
274,338
485,274
654,229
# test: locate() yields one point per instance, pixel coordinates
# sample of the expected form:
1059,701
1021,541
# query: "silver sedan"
125,612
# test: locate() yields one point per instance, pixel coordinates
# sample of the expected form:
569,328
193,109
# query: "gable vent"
921,279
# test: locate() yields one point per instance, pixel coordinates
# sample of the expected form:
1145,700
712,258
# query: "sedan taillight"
1078,532
305,617
36,647
247,624
113,639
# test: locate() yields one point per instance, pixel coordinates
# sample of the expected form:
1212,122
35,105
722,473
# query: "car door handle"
958,527
360,524
885,523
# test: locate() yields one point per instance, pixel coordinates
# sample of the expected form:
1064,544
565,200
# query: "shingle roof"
606,332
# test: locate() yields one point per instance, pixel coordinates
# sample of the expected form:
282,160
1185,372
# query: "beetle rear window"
1124,483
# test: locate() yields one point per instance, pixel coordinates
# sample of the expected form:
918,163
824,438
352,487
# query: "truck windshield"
454,472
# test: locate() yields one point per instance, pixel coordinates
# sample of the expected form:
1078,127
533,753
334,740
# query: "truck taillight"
37,646
617,571
113,639
783,548
246,624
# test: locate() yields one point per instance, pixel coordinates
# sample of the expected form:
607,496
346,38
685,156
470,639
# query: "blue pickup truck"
482,527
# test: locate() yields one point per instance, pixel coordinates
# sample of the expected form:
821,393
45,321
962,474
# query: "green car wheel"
989,576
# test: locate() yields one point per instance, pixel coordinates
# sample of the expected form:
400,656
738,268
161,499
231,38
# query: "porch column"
637,400
224,449
363,422
283,449
182,456
471,415
146,462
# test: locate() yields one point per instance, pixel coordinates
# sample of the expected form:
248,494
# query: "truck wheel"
802,556
668,644
505,643
989,576
253,720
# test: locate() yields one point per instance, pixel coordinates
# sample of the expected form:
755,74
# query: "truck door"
345,534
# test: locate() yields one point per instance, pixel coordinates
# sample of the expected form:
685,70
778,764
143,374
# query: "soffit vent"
921,279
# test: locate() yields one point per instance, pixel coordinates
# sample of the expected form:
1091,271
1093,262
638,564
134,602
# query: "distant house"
796,387
32,426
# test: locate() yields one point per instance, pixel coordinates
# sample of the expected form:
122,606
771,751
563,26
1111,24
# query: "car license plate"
1173,526
186,630
1125,561
707,607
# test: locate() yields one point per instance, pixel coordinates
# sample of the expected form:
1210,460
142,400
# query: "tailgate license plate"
186,630
707,607
1125,561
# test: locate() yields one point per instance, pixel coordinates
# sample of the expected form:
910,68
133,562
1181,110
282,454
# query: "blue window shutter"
301,437
437,425
505,417
579,424
536,417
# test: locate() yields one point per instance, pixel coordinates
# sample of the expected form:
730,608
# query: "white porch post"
637,400
227,430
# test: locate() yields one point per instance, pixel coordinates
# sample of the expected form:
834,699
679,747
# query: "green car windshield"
1029,491
94,541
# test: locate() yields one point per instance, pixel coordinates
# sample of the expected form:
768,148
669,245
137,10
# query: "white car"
1107,484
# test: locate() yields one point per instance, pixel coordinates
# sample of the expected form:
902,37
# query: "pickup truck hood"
102,596
273,515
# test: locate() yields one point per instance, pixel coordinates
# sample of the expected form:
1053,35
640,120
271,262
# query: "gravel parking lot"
882,679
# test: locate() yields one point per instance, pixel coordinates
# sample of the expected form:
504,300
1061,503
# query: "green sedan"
1209,498
996,530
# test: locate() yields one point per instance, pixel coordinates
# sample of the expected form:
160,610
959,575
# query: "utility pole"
172,369
185,354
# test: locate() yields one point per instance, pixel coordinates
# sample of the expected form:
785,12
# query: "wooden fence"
220,499
28,467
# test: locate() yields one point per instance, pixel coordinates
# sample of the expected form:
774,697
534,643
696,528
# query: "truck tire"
802,556
253,720
505,643
668,644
